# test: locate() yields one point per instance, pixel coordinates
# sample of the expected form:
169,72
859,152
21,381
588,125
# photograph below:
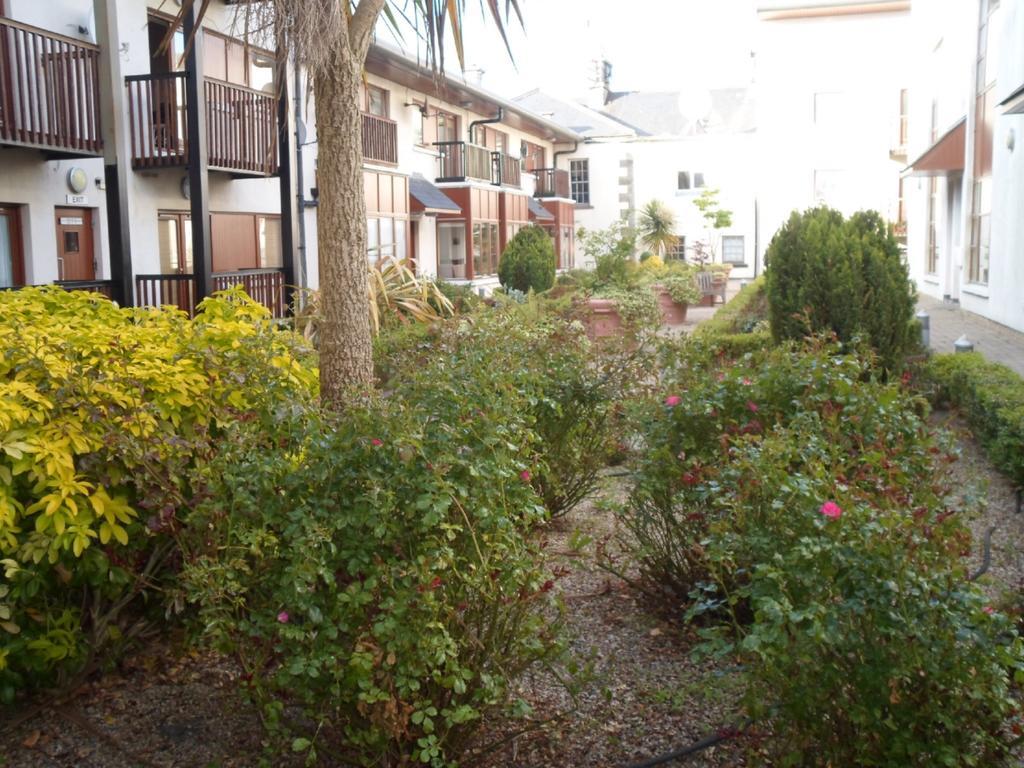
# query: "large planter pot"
707,300
672,312
603,318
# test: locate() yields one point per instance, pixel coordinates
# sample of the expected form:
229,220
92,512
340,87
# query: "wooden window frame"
385,98
13,212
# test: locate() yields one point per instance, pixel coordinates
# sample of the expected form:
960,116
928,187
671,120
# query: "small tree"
528,261
715,218
611,249
657,228
843,276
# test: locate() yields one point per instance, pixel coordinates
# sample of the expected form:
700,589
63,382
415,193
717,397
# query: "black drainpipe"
554,156
496,119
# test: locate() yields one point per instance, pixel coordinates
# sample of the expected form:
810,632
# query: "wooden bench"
708,286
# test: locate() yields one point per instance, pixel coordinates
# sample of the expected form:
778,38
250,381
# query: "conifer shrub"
528,262
829,274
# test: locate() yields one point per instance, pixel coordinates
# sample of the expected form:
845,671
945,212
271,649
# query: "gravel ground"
978,485
646,695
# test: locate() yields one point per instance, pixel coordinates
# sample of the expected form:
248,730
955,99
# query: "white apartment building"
155,177
831,77
667,146
964,186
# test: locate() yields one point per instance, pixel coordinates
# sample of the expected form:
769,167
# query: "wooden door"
75,259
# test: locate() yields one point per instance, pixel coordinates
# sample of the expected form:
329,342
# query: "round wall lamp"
78,180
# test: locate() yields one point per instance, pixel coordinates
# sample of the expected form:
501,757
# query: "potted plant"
675,293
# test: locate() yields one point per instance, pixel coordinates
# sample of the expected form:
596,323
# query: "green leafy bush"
105,415
574,391
991,396
682,286
827,274
375,574
799,505
741,314
528,262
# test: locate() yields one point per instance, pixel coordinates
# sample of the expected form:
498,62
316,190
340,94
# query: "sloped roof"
538,211
660,113
426,198
571,115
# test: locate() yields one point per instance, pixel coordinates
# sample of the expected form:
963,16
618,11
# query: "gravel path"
646,696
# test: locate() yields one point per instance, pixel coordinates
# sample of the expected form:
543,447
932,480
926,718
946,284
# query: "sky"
651,44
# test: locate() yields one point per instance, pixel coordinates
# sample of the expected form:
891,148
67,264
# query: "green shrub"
105,415
463,298
991,396
528,262
682,287
827,274
741,314
574,390
376,575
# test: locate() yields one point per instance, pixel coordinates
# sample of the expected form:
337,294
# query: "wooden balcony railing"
156,119
380,139
265,286
103,287
241,128
49,90
551,182
508,172
458,161
241,124
166,290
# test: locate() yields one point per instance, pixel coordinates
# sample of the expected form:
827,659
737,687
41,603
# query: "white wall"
724,159
863,61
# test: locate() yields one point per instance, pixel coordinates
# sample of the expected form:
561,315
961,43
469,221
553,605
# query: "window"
579,181
451,252
11,266
733,249
932,245
386,238
677,251
269,228
175,243
977,259
377,101
485,136
687,180
436,125
565,257
485,249
533,156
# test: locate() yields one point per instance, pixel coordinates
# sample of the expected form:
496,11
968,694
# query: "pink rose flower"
989,610
831,510
747,382
376,442
283,617
673,400
525,475
752,406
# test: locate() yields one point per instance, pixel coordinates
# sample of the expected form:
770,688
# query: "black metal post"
285,151
198,172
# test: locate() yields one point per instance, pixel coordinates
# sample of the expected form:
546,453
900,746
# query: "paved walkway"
996,342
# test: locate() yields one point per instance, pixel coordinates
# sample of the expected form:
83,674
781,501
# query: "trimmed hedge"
528,262
991,396
739,314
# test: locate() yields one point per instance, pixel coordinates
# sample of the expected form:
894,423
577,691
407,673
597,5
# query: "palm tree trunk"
346,359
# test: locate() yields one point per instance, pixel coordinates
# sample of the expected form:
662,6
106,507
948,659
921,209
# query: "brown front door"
74,244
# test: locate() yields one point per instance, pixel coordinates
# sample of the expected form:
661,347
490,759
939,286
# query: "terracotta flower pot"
672,312
603,319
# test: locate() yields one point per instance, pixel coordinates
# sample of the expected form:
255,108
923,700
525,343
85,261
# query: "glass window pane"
478,267
168,243
400,239
6,252
372,241
683,180
270,243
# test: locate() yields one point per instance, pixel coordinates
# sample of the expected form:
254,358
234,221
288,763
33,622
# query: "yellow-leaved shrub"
106,414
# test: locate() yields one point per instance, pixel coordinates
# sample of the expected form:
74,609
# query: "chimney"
474,75
598,83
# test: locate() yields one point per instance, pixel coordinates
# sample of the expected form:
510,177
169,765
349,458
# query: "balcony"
461,161
241,125
49,91
551,182
265,286
380,139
